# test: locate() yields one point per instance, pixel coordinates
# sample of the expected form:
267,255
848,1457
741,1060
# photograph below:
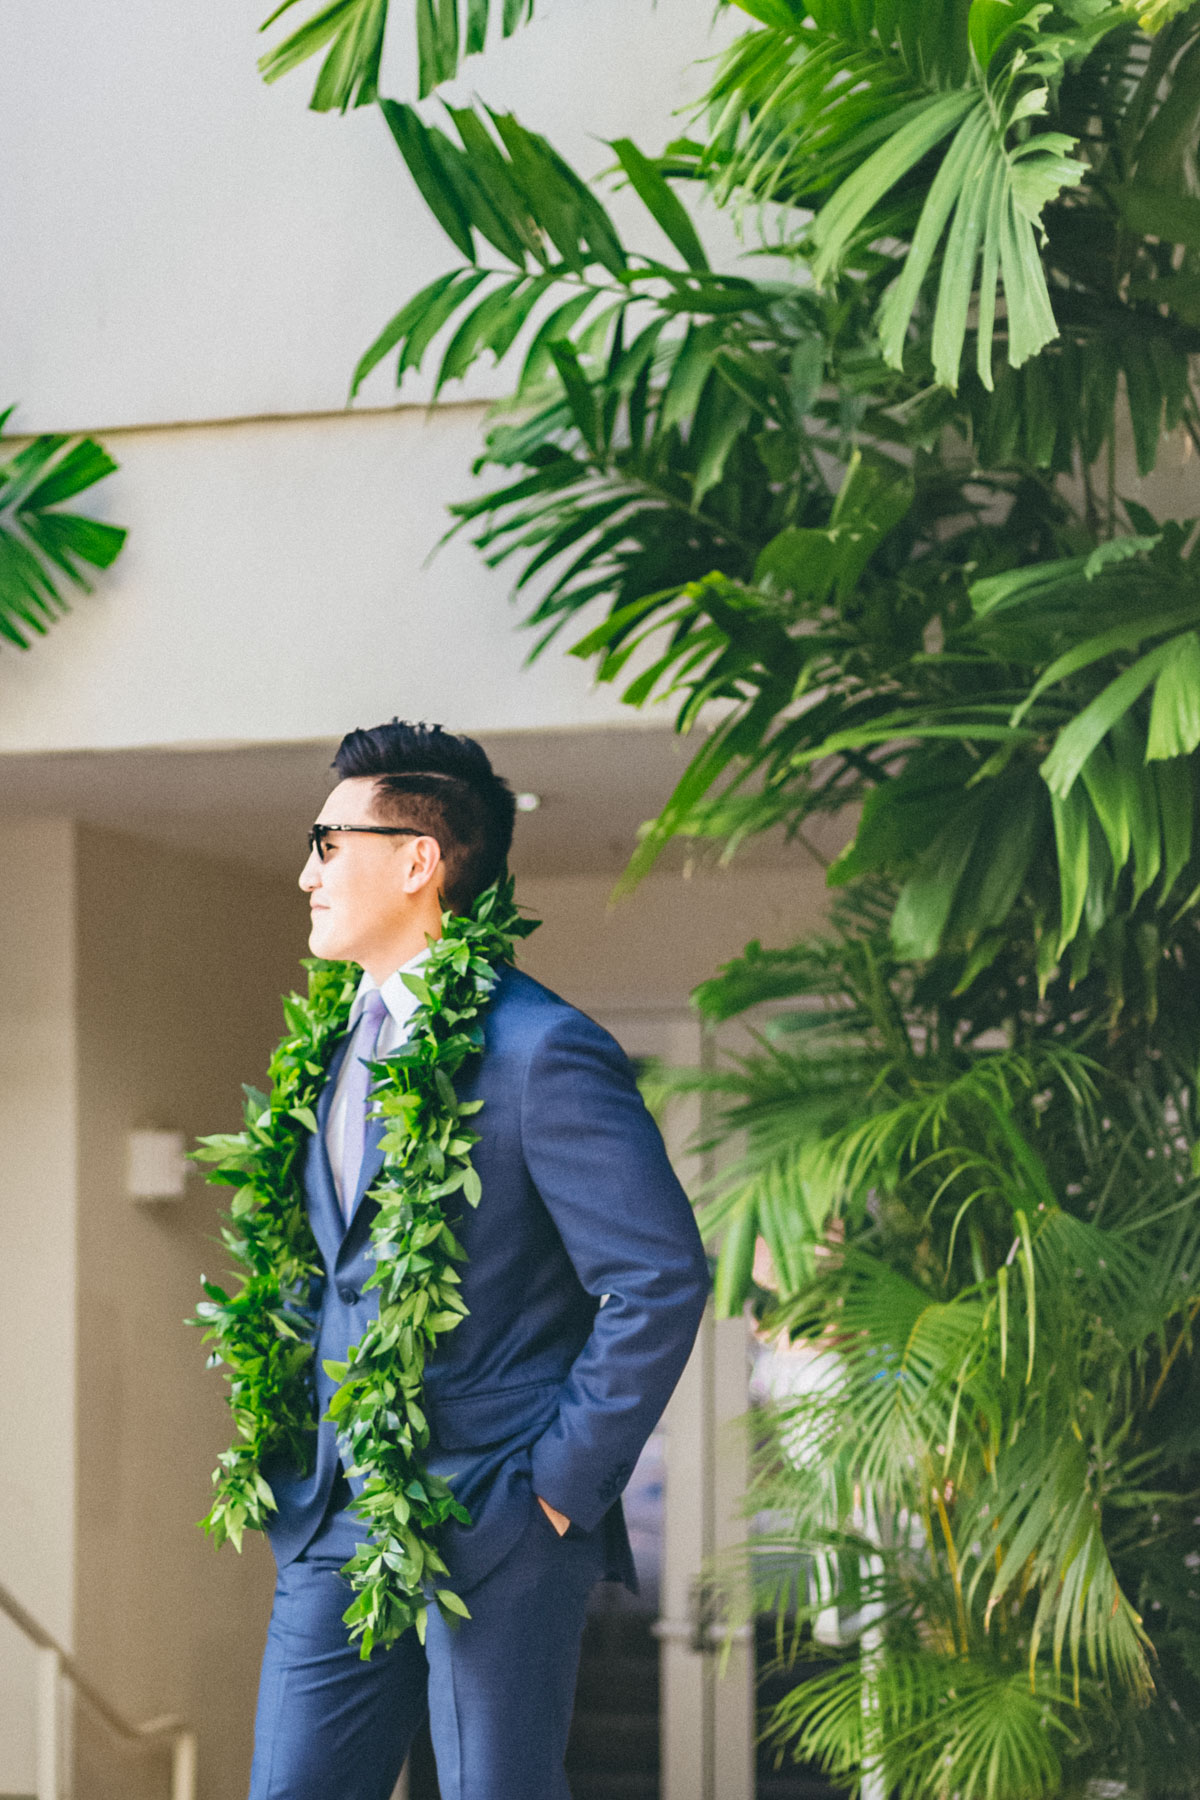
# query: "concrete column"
38,1203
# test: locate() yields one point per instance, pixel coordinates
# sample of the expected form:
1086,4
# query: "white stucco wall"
183,243
275,586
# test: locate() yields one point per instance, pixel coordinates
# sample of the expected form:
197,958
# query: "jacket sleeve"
600,1166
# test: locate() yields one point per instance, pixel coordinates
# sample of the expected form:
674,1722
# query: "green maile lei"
261,1334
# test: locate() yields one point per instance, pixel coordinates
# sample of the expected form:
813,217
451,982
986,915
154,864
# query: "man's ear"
424,865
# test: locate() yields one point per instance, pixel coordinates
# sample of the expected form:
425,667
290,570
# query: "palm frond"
351,33
988,1736
39,542
836,113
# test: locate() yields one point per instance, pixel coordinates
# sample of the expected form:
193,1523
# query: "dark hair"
444,784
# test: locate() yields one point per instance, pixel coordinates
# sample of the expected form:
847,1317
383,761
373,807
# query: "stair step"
624,1684
614,1742
621,1634
786,1780
595,1785
799,1784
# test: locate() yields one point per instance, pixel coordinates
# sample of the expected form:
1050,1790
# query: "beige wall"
646,953
37,1255
185,246
182,242
253,543
181,963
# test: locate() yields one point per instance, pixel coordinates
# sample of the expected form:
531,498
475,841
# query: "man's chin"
320,943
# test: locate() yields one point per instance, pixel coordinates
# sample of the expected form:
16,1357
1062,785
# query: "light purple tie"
358,1086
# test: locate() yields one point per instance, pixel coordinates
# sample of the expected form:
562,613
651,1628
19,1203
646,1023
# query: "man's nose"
310,874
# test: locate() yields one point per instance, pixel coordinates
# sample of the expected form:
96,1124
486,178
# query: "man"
584,1282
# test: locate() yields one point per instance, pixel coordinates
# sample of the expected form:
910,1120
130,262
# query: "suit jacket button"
347,1293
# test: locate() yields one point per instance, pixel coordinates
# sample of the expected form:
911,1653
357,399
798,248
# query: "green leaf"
900,818
1144,388
734,1264
926,898
556,326
477,330
1125,636
477,23
975,215
84,464
1174,782
417,324
423,330
800,559
1159,212
918,128
579,394
990,25
663,203
427,153
563,206
437,43
493,201
1000,861
354,31
721,417
38,543
960,166
1023,586
399,327
1113,788
690,371
1077,740
776,13
1175,709
1071,812
67,539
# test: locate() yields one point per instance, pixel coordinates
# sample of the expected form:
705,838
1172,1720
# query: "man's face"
366,894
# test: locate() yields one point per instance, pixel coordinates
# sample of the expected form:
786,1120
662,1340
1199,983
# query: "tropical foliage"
981,1218
351,33
39,542
865,522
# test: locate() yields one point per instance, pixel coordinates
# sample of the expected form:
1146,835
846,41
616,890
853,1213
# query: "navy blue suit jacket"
542,1389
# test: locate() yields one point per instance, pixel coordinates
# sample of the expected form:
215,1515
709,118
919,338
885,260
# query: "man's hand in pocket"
559,1520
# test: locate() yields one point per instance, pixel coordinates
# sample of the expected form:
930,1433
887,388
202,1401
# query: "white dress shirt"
401,1004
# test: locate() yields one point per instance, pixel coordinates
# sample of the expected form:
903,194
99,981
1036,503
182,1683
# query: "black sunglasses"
319,833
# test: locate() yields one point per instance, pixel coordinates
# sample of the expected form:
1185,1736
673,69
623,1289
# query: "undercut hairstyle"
444,785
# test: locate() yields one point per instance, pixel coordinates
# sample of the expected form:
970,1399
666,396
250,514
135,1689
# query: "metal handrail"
53,1663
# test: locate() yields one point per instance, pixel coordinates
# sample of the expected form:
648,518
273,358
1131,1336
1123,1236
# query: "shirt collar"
400,1001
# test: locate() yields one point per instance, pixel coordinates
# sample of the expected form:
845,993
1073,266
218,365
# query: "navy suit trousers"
498,1687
